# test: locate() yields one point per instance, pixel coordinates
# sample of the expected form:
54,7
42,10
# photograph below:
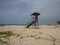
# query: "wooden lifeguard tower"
35,20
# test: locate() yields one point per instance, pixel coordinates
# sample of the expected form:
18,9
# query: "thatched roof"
35,13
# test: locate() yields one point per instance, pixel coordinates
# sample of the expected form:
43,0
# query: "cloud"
20,10
33,2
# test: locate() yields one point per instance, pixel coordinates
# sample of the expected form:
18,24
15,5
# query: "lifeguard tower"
35,20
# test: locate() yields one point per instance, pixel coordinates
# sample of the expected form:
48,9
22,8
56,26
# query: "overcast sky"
18,11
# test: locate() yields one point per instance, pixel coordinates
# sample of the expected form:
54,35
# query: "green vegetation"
58,22
4,37
38,36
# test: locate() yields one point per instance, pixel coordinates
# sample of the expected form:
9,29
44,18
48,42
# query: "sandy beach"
42,36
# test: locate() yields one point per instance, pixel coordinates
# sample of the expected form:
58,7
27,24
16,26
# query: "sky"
19,11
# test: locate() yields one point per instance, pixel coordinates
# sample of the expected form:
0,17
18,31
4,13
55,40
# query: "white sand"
44,29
